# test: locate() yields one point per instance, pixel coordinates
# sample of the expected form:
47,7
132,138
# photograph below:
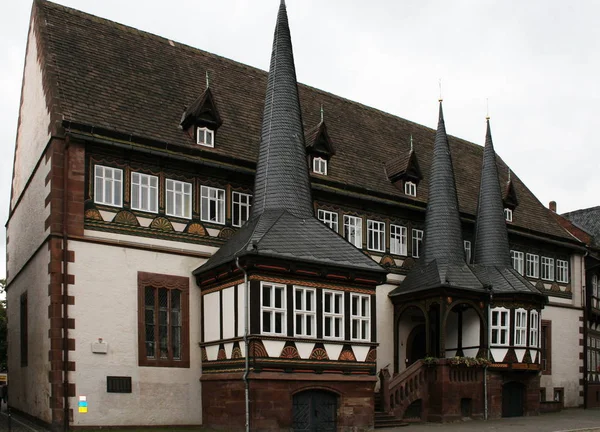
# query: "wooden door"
314,410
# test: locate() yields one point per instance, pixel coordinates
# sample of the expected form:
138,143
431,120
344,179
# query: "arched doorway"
314,410
513,399
416,345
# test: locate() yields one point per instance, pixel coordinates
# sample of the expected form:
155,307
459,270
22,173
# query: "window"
360,317
375,236
273,309
547,268
417,242
508,215
410,188
205,137
595,294
533,329
320,166
144,192
305,311
520,327
240,208
179,199
398,240
500,326
333,314
533,266
562,271
593,363
518,260
23,335
108,186
163,319
467,245
353,230
328,218
546,349
213,205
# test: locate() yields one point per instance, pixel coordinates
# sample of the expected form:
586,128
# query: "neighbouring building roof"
113,77
587,219
282,222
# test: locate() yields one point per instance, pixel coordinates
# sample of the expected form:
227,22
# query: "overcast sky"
536,61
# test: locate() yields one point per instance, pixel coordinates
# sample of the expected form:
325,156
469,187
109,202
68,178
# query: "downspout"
584,304
65,282
488,348
247,365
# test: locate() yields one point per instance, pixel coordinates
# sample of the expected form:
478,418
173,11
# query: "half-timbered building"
228,252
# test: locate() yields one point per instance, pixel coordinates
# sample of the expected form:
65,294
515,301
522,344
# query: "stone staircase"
383,419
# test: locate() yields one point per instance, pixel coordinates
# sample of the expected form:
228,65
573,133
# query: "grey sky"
536,61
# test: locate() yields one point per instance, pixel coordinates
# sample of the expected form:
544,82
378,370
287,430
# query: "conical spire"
443,235
282,180
491,237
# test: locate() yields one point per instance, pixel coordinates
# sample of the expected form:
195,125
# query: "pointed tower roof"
282,180
282,224
491,236
443,234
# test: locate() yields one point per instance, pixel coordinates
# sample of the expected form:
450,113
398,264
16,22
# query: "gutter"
246,344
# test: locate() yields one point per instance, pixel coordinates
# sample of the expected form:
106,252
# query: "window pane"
278,297
266,295
266,322
327,303
278,322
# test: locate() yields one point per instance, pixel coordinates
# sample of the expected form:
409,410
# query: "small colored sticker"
82,398
83,404
83,409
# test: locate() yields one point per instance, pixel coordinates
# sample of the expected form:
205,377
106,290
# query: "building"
137,227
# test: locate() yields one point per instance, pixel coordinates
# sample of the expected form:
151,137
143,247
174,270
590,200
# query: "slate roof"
491,236
587,219
118,78
282,223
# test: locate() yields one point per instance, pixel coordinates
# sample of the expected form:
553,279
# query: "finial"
440,83
509,175
282,2
487,108
207,80
411,143
322,112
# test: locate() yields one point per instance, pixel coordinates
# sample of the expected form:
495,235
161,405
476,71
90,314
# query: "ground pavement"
567,420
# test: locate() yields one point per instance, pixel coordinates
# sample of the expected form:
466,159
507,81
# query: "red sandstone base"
271,400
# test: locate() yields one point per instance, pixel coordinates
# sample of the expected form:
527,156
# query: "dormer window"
410,188
508,215
205,137
320,165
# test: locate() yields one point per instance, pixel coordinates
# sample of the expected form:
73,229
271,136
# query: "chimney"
552,206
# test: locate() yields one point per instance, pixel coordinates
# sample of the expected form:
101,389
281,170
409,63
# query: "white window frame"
398,239
329,218
499,327
149,190
518,261
410,188
595,292
353,230
417,242
532,266
562,271
467,247
320,165
534,329
520,334
114,183
206,199
205,137
508,215
305,313
332,315
237,205
272,310
361,317
183,196
375,230
547,268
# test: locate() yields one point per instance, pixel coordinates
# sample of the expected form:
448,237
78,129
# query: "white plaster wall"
241,308
32,133
25,229
212,315
228,309
577,279
565,353
407,324
29,386
451,334
385,327
471,332
106,304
